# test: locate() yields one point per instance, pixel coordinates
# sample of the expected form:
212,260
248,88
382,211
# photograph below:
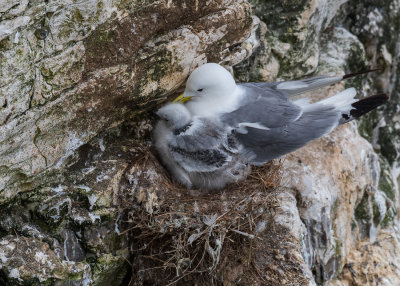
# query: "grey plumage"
264,106
163,133
199,152
296,87
265,145
213,139
290,126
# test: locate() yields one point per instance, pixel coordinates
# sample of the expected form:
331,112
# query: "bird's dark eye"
200,89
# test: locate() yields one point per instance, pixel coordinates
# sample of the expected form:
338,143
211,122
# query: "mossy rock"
386,183
367,124
110,270
362,211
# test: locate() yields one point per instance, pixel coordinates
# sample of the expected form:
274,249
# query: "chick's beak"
182,98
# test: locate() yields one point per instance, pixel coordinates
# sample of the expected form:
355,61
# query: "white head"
176,115
209,80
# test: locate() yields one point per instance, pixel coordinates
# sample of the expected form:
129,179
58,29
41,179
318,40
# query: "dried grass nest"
197,238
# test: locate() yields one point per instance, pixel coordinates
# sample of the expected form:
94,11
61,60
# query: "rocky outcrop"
84,199
72,70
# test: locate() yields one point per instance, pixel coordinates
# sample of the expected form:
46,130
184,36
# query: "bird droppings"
34,261
92,200
101,56
49,90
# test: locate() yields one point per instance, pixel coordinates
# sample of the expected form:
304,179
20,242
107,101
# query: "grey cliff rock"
84,199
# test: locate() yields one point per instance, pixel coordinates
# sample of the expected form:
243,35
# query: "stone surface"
372,264
325,199
84,200
26,260
60,77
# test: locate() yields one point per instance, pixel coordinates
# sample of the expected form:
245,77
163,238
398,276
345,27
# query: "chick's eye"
200,90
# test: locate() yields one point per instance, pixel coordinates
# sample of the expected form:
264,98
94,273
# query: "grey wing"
201,147
295,87
262,146
206,160
204,133
264,107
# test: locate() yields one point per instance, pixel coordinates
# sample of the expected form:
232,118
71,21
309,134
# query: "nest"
182,237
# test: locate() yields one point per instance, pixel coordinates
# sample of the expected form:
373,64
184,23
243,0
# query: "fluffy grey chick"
198,151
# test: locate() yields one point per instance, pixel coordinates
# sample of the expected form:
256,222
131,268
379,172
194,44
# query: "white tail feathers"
341,101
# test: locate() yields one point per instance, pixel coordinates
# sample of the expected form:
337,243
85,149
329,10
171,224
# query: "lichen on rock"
86,202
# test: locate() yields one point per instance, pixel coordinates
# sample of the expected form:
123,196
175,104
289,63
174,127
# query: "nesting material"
180,236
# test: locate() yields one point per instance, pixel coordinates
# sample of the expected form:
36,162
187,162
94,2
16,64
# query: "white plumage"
225,127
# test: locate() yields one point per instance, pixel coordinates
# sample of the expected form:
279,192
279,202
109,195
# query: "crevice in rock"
37,134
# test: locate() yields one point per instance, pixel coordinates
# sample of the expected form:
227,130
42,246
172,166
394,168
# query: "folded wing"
296,87
315,121
262,108
202,147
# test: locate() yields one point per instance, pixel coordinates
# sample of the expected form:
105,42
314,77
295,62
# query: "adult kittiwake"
198,151
265,122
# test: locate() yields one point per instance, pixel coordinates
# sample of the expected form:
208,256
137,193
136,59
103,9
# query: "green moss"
362,211
99,39
123,4
338,248
386,183
74,23
110,270
5,44
100,6
279,15
161,66
78,16
387,140
19,52
47,73
376,213
389,217
367,124
66,30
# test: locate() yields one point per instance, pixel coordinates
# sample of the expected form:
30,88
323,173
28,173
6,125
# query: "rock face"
84,200
72,70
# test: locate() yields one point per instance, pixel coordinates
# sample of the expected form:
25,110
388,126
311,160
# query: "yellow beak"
182,99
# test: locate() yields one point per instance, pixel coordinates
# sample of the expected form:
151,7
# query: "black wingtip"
350,75
367,104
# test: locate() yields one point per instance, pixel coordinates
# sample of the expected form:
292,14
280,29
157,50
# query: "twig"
251,236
